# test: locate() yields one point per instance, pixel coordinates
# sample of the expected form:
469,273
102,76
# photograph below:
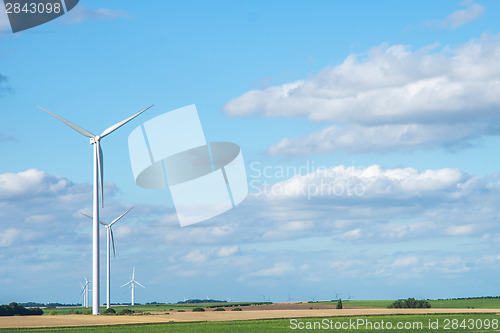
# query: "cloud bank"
250,246
390,99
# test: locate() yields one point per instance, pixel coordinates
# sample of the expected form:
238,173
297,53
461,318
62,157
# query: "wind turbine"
84,288
132,284
85,291
98,186
349,296
109,235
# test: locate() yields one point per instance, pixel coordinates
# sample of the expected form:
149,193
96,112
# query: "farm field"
148,307
476,322
460,303
464,303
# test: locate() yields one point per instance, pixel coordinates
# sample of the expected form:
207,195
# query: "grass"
145,308
460,303
464,303
371,304
284,325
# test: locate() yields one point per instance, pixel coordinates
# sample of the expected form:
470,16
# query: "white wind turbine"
85,291
84,294
132,284
98,179
109,236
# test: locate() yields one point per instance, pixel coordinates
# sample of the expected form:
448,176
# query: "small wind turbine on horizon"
109,236
132,285
85,291
98,181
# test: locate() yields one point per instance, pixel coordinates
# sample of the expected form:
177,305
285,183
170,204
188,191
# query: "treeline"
191,301
410,303
477,297
48,305
14,309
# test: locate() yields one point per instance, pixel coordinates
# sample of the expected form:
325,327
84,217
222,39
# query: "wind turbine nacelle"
26,14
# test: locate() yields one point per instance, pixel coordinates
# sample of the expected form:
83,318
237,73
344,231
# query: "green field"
145,308
413,323
462,303
476,303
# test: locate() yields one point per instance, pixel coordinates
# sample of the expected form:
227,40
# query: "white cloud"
370,182
359,139
9,236
391,98
405,262
261,241
460,230
352,234
81,13
29,183
227,251
195,256
279,269
400,229
462,16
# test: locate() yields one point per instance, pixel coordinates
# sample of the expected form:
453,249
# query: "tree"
410,303
14,309
339,304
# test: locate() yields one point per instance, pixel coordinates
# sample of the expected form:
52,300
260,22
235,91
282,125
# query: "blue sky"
369,132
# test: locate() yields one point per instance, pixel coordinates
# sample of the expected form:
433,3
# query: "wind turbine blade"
139,284
100,162
111,129
90,217
112,241
83,288
69,123
119,217
133,274
127,283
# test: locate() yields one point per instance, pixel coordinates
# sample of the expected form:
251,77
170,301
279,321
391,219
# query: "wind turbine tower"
84,295
95,140
109,239
132,285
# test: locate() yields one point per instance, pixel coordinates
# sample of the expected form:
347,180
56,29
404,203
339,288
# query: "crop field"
149,307
459,303
476,322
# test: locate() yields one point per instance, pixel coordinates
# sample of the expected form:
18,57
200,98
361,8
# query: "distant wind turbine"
85,291
132,284
83,294
109,236
98,187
